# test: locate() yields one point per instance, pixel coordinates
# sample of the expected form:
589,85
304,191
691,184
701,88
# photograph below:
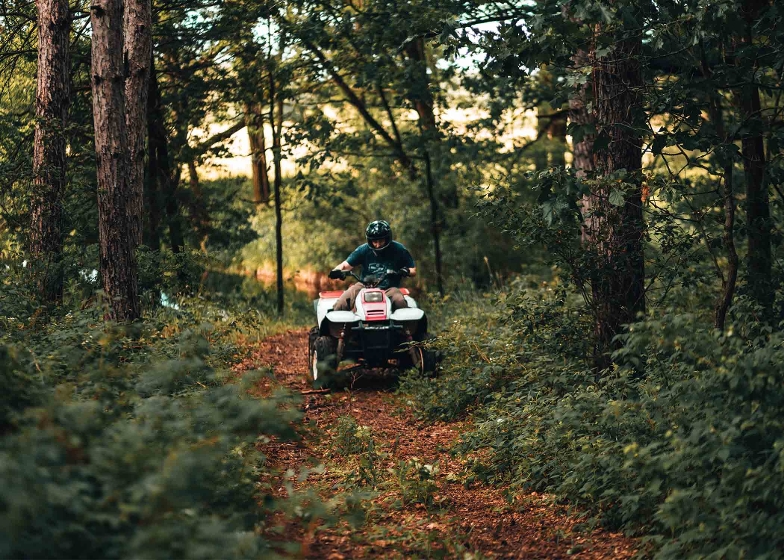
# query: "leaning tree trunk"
118,262
49,157
138,53
615,227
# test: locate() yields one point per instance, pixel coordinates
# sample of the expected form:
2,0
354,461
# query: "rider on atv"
377,257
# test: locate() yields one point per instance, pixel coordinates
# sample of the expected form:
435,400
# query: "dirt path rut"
455,520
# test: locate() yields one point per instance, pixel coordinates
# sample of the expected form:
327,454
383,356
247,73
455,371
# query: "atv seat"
331,294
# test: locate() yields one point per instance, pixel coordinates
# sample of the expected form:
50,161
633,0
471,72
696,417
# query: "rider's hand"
404,272
336,274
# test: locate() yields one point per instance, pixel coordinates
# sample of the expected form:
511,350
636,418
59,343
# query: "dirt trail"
472,522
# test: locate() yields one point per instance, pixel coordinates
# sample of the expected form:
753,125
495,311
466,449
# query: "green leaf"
617,198
658,144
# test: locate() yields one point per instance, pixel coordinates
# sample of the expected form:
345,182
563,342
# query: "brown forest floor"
465,521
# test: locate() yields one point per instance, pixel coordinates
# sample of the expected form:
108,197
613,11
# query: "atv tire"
323,361
424,359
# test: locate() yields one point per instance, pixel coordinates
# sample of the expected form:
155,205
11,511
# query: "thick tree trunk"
258,153
49,154
138,52
118,262
759,258
616,230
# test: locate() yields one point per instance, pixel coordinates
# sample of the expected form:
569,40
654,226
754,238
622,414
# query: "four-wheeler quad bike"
371,335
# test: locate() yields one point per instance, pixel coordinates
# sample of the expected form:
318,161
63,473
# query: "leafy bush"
134,441
681,442
356,442
416,481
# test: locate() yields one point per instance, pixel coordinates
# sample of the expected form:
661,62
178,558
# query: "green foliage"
680,442
416,481
137,440
352,439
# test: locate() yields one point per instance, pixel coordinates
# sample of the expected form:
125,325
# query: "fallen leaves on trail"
474,520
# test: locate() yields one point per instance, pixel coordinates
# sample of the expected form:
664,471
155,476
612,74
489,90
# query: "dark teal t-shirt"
393,257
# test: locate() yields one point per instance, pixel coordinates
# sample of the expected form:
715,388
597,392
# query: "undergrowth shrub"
681,442
416,481
137,441
356,443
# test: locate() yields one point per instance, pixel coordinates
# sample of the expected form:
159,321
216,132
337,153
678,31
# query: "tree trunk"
176,239
198,209
49,154
759,258
276,125
556,132
435,224
616,230
119,273
422,99
158,170
728,284
138,52
258,154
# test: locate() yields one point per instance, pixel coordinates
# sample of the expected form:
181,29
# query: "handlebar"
369,281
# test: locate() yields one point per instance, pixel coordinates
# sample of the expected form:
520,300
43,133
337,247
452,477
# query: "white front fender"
407,314
341,317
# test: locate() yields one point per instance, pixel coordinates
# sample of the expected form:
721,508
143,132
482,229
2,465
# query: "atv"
371,335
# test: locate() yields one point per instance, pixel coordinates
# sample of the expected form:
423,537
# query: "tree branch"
352,98
202,147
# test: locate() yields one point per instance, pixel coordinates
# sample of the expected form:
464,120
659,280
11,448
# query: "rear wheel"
323,361
424,359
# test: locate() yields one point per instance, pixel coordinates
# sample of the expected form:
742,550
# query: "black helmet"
378,230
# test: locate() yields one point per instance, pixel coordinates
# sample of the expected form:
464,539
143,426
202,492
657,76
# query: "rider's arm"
343,266
411,271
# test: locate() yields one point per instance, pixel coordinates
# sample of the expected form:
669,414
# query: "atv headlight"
374,297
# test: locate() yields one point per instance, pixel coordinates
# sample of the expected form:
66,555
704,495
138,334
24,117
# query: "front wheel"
323,361
424,359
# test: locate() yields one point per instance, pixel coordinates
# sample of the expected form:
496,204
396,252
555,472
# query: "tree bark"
138,52
49,153
435,224
728,284
616,231
759,258
119,273
556,132
258,154
158,168
421,98
276,123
